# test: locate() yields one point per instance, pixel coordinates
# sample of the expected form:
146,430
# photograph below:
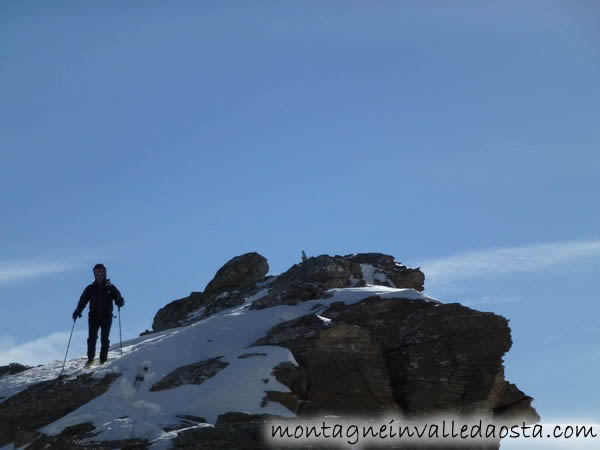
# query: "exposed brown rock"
314,276
514,405
439,358
241,272
175,313
342,368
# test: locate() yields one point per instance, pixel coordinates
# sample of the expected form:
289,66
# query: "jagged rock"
514,403
314,276
241,272
176,312
230,287
237,280
307,280
347,372
12,369
298,335
342,369
196,373
43,403
439,358
226,300
385,266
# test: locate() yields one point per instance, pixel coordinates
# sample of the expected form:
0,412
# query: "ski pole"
120,338
68,345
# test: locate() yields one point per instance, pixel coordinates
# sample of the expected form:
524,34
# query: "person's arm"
83,301
117,297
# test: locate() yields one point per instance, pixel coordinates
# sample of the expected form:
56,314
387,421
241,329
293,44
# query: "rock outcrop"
178,312
422,358
313,277
245,275
241,272
12,369
45,402
232,284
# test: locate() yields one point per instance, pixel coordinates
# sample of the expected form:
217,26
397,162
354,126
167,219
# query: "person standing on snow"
100,294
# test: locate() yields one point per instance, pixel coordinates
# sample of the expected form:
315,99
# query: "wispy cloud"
42,350
499,261
39,266
13,271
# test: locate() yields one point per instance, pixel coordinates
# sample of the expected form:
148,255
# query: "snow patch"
326,321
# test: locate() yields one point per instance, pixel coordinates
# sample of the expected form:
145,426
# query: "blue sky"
163,140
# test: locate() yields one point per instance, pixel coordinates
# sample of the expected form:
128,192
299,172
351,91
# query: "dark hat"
99,267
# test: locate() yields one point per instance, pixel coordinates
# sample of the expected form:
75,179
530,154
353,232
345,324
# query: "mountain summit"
333,336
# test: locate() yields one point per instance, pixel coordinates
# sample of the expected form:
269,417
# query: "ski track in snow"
128,409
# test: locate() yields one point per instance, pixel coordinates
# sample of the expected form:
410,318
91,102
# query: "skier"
100,294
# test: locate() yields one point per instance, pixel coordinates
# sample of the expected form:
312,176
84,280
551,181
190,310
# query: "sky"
162,140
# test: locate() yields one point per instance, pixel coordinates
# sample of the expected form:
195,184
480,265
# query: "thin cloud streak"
500,261
32,269
43,350
39,266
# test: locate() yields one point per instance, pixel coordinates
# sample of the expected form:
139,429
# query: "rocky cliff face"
401,353
422,358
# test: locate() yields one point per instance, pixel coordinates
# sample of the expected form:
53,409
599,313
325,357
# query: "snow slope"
129,410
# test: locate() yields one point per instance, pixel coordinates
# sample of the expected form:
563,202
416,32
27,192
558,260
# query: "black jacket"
100,296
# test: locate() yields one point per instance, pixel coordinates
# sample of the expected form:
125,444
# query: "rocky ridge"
405,355
244,276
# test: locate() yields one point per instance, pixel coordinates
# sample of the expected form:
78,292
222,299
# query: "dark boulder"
241,272
177,313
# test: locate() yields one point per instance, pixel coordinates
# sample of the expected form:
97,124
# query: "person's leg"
104,338
93,326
